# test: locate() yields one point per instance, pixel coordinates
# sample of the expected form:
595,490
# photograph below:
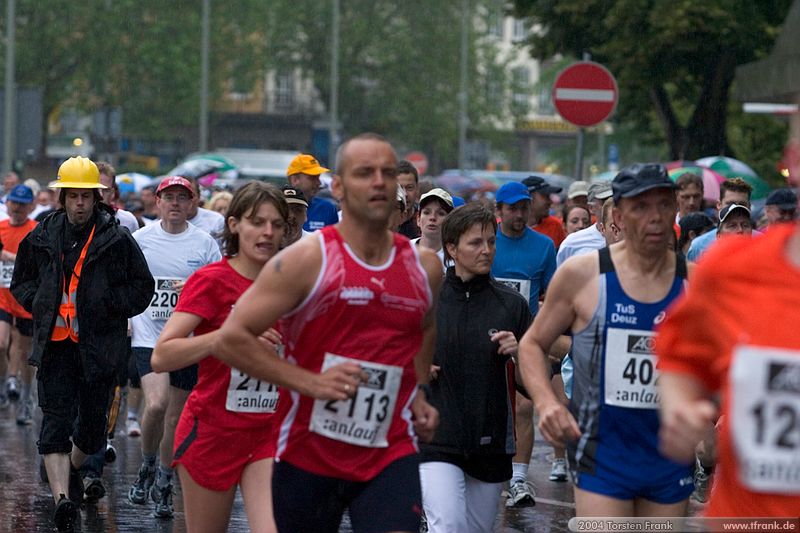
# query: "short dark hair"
460,220
62,196
735,185
690,179
106,168
405,166
244,205
698,222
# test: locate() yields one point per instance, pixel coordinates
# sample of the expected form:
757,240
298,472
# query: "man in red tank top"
356,303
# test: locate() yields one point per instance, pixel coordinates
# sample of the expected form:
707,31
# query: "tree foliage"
399,61
675,61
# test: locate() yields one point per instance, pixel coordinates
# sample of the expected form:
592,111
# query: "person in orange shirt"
540,219
16,326
752,365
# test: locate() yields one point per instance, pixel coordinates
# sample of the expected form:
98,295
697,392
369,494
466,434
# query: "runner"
359,330
226,436
108,281
16,324
174,249
298,210
464,466
525,261
709,356
433,208
612,446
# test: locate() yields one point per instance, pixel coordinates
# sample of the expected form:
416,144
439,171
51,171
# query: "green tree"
399,66
674,61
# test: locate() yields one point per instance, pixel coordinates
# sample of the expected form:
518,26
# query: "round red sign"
585,93
419,160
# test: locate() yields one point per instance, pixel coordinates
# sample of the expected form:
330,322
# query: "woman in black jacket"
478,323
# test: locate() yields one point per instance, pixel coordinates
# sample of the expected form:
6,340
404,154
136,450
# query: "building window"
520,90
520,30
495,23
284,91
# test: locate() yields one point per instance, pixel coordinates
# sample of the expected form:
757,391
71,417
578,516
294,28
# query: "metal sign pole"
579,154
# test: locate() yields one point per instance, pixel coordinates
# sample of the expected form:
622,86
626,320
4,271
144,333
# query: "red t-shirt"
11,236
372,315
224,397
553,228
736,331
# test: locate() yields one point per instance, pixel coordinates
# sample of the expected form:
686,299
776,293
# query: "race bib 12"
765,418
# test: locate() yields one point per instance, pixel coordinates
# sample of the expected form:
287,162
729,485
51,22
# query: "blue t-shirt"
525,264
700,245
321,213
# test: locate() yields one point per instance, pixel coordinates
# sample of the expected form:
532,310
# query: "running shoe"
138,492
12,389
94,489
702,484
520,493
25,413
3,400
65,516
111,453
132,427
558,472
163,498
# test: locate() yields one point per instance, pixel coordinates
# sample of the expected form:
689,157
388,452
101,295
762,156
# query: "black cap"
696,221
785,199
635,179
294,196
538,184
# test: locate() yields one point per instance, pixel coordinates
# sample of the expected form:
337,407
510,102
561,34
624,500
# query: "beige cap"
439,194
578,188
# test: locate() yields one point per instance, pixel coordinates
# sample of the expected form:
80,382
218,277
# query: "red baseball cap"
175,181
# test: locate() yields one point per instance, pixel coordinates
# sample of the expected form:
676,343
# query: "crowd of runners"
384,351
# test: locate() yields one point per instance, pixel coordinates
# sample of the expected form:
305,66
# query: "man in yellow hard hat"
81,277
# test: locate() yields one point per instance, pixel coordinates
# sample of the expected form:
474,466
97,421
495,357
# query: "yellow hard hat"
78,173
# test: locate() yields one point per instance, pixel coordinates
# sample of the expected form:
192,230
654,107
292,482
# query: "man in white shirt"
174,249
108,177
591,238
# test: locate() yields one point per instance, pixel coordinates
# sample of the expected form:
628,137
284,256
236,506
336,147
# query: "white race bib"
164,300
364,419
249,395
522,286
765,418
630,372
6,273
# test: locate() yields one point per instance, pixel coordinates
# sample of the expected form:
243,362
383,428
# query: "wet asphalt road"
26,504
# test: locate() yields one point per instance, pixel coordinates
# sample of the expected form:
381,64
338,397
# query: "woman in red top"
226,435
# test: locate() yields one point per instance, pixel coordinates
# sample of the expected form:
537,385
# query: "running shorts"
216,457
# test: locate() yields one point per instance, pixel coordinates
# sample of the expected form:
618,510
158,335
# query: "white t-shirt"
580,242
127,220
169,257
209,221
440,253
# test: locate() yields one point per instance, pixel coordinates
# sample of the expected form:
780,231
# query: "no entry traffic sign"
585,93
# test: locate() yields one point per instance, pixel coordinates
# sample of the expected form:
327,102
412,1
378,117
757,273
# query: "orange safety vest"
67,319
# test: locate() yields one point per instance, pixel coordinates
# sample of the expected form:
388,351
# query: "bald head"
343,152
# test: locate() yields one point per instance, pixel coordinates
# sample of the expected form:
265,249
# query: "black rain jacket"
115,284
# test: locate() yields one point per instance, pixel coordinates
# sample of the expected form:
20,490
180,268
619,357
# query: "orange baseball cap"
305,164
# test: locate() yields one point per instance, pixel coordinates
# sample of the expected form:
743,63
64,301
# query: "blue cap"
22,194
458,201
511,193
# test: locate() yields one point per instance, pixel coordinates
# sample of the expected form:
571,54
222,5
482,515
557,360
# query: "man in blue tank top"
611,301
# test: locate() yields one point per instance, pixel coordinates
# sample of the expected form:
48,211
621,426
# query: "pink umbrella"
711,179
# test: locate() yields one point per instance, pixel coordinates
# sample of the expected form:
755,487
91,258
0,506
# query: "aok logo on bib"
630,372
